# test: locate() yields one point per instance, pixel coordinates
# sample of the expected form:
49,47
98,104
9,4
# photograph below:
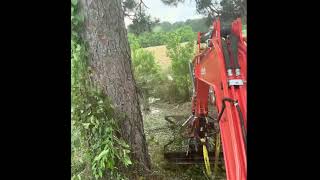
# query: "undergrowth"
96,149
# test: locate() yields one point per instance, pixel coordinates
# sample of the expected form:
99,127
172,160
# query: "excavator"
219,104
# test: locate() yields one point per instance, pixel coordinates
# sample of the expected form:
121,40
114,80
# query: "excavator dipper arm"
222,66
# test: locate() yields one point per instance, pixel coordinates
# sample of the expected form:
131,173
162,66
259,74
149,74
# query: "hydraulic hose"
234,48
235,102
226,57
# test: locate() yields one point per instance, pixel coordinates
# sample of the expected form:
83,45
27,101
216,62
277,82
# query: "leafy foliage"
198,25
145,69
142,23
149,39
227,10
96,149
152,39
172,2
180,56
160,31
174,84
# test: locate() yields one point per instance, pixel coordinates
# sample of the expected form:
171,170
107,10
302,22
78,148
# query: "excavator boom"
222,67
219,75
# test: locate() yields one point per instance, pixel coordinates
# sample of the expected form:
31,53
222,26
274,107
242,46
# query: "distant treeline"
160,32
149,39
195,24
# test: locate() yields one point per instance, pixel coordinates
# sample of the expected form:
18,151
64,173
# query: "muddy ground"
158,134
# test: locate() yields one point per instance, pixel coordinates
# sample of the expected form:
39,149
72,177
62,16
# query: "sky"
182,12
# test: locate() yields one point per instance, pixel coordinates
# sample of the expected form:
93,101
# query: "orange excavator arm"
222,67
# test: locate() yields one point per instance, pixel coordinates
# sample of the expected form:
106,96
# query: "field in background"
160,54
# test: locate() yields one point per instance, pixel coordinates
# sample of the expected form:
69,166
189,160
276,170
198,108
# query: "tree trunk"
110,63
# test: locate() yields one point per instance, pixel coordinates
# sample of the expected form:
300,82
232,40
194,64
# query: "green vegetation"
142,23
96,150
196,25
160,31
149,39
181,56
153,82
227,10
145,69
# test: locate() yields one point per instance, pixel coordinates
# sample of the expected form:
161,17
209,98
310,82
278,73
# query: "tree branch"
130,16
213,7
141,2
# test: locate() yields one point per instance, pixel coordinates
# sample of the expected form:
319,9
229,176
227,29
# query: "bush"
150,80
167,89
180,55
152,39
149,39
186,34
145,70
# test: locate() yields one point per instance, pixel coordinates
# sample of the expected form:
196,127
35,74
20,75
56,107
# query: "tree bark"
110,63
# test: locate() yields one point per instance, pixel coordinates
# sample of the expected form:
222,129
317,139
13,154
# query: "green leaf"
92,119
80,17
110,163
126,151
100,173
74,2
86,125
103,153
102,164
127,161
88,106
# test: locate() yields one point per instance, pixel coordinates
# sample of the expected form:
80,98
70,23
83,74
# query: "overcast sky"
182,12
